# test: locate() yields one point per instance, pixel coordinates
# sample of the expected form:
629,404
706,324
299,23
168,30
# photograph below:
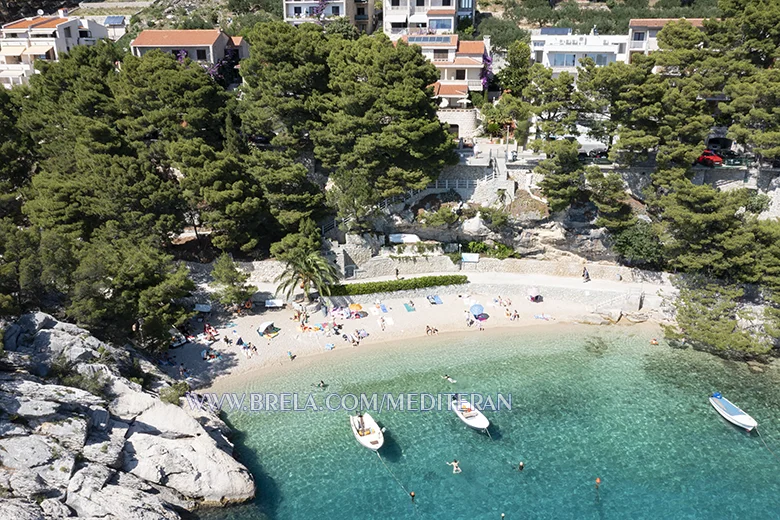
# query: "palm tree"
311,270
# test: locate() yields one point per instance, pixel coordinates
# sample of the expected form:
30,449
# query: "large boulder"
54,509
104,446
195,467
18,509
37,464
91,495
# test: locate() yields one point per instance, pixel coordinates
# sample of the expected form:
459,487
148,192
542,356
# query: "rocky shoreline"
115,451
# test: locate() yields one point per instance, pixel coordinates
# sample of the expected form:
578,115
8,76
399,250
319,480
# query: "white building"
206,45
562,51
359,12
25,41
643,33
407,17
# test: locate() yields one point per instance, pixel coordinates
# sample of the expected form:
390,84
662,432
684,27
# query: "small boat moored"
367,431
731,412
469,415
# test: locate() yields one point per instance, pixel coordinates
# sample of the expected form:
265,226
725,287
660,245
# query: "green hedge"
406,284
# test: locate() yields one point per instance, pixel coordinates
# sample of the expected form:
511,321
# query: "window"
563,60
201,53
67,32
420,3
446,3
653,34
621,48
441,55
83,34
539,43
465,5
395,3
460,74
297,11
538,55
335,10
442,24
638,37
361,11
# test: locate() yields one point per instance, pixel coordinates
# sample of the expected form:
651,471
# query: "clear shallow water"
586,403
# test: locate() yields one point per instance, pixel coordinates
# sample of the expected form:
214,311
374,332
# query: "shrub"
494,218
444,216
173,393
407,284
94,384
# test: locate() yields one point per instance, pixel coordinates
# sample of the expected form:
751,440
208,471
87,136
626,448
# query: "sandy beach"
565,300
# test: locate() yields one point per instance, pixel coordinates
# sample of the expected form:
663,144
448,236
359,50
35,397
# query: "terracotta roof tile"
49,23
660,22
176,38
39,22
450,90
237,40
475,47
441,12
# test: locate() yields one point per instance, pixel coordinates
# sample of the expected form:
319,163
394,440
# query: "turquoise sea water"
586,403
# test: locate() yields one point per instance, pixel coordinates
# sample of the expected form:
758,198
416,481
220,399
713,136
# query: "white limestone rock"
18,509
105,447
38,464
91,495
196,468
53,509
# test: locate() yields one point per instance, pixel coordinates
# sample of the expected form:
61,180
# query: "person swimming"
455,467
448,378
321,384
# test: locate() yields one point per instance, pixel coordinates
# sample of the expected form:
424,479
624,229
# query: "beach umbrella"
533,292
482,317
476,309
355,307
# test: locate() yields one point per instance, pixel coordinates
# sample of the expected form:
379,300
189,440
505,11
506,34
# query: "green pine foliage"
406,284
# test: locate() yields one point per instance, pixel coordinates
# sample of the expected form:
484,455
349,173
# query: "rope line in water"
766,445
391,473
488,432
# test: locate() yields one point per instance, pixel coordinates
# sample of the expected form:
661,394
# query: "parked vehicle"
600,153
710,158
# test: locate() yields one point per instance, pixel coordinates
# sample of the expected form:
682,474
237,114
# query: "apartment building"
25,41
560,50
359,12
206,45
643,33
424,17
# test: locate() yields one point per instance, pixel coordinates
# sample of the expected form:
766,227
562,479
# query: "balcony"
638,45
475,84
361,17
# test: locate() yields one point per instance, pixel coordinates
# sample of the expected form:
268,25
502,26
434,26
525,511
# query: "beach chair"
434,299
384,308
408,307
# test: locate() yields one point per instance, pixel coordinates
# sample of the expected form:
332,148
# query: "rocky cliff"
115,451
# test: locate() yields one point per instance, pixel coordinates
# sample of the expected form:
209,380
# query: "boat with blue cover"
732,412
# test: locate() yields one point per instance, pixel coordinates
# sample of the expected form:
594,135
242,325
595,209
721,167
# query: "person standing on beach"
585,274
481,325
382,322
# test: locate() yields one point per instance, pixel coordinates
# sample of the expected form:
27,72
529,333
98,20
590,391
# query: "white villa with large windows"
560,50
359,12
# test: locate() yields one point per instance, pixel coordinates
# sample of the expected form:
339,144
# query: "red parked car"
710,158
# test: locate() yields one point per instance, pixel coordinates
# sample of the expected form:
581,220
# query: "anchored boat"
731,412
469,415
367,431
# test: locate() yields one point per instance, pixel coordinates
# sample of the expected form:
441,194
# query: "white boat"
469,415
367,431
731,412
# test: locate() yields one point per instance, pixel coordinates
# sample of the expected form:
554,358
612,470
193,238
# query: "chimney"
63,13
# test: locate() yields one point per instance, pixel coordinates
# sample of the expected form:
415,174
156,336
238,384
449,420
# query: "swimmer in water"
321,384
455,466
448,378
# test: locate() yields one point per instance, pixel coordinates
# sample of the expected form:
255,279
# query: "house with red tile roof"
205,45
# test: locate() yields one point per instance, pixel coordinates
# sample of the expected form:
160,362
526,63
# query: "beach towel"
330,346
542,317
409,308
437,300
389,321
374,311
384,309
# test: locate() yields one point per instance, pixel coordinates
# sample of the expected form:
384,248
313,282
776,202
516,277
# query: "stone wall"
465,118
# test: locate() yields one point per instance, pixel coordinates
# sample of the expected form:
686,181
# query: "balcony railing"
638,44
475,84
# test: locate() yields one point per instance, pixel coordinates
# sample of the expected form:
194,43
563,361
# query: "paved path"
114,5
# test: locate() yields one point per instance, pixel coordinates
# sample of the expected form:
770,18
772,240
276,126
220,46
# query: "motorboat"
731,412
469,415
367,431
